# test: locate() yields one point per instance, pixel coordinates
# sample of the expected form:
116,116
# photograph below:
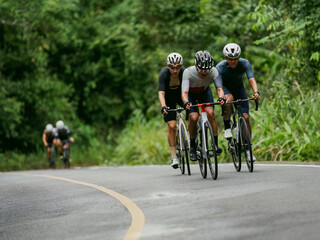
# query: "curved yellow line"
137,216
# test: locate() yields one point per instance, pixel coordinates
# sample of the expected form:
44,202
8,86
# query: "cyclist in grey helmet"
195,89
48,139
231,71
169,93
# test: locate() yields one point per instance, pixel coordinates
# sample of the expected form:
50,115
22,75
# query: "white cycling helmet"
232,50
174,60
60,124
49,127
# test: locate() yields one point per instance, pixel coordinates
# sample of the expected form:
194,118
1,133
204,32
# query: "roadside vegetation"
95,64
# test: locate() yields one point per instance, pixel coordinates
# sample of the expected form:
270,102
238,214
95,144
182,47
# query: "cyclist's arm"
162,100
71,139
254,86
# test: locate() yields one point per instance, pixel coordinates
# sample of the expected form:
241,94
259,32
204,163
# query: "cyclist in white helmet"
63,136
48,137
231,71
195,89
169,93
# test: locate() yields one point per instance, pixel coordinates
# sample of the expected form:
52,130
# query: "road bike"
66,154
53,156
206,149
240,144
183,141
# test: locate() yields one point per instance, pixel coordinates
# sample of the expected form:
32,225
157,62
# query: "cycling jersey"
63,133
164,81
172,93
192,81
232,77
50,135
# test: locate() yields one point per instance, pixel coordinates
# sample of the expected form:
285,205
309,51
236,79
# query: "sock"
216,139
226,124
173,152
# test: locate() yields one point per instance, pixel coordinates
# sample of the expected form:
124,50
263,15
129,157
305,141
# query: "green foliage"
287,128
94,63
141,142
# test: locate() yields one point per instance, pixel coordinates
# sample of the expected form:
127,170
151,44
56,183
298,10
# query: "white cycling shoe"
175,163
228,133
253,157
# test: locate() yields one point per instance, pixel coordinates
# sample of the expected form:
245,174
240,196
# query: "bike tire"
180,153
185,148
52,163
202,161
66,158
245,141
233,148
211,152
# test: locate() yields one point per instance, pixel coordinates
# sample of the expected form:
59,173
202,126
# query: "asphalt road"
157,202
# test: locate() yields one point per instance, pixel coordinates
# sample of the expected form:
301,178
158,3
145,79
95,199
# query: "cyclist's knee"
193,117
246,117
172,126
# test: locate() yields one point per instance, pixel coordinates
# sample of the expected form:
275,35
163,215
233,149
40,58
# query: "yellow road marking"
137,216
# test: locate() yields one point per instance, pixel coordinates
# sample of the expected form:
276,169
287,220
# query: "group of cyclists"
58,137
190,86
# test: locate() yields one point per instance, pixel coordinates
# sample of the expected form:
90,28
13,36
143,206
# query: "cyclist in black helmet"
169,92
195,89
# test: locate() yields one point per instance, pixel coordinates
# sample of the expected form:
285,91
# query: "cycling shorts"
240,93
196,98
171,101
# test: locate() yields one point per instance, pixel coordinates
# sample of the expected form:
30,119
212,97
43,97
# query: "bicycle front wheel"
180,153
211,151
245,141
202,161
233,148
66,158
185,147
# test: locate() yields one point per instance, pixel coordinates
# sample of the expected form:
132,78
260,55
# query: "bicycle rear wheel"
211,151
185,147
66,157
52,162
245,140
180,153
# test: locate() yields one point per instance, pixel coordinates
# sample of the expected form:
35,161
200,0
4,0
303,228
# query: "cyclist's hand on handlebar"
164,110
187,105
222,101
256,96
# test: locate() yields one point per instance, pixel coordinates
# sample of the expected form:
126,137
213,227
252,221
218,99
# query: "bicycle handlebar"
223,107
175,110
245,100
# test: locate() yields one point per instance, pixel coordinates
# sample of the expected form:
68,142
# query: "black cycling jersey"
172,93
164,81
63,133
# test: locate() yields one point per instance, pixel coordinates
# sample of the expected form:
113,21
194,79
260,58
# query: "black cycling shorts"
239,94
172,100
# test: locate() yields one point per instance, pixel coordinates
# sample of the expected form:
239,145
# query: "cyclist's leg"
207,97
59,146
170,119
244,106
193,116
226,117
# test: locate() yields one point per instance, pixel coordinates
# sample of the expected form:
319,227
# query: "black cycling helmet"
203,60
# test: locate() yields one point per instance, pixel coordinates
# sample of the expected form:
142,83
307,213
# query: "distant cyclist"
195,89
169,93
63,136
48,137
231,71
